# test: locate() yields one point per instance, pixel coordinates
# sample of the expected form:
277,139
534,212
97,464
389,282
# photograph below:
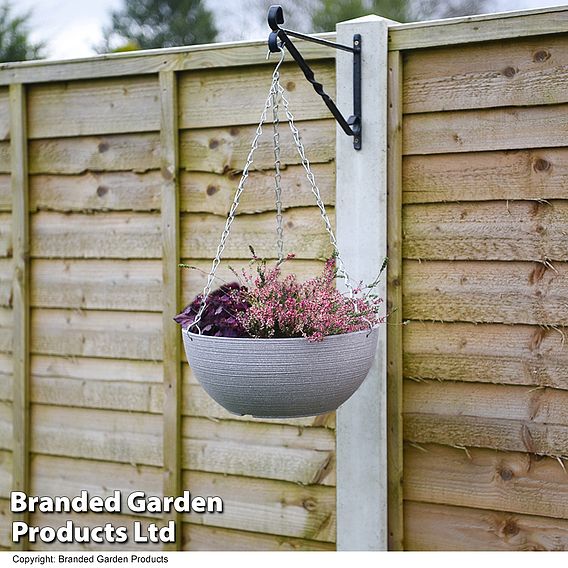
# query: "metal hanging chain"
277,176
232,211
276,91
340,266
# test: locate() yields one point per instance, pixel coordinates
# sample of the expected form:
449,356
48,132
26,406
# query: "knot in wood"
541,55
509,71
541,165
506,474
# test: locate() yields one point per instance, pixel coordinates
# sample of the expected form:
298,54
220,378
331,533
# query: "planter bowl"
281,378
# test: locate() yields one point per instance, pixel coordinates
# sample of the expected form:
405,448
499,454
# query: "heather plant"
266,304
281,307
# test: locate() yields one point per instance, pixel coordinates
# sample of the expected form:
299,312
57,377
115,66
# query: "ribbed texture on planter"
281,378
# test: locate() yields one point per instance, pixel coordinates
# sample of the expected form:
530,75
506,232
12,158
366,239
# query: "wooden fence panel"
485,277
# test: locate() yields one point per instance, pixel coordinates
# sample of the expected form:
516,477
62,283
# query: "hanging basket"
281,378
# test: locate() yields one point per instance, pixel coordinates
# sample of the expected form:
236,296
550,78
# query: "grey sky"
70,28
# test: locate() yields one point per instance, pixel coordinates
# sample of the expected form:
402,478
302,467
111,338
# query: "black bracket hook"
351,126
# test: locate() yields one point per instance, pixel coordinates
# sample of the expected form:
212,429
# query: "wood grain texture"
499,292
266,506
506,128
6,327
518,72
485,479
431,526
124,437
205,100
119,335
5,474
6,271
6,376
20,295
485,27
205,538
6,426
96,191
222,150
5,193
6,246
5,524
133,285
171,290
489,353
496,230
394,304
304,235
200,192
203,192
128,235
536,174
135,152
103,106
297,465
514,418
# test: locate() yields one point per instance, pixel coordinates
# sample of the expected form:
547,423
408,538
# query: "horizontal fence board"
496,230
486,479
205,538
96,191
102,235
59,475
304,235
5,234
430,526
508,402
287,436
127,335
6,370
96,284
196,402
507,128
103,106
522,72
5,193
129,235
125,437
6,278
4,114
5,426
297,465
5,474
5,524
491,353
135,152
506,292
515,418
536,174
224,97
6,323
202,192
484,27
93,369
266,506
225,150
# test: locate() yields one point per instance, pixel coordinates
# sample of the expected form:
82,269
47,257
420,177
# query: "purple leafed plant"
221,314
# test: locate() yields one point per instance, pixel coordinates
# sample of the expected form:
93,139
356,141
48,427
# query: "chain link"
276,92
340,266
277,176
232,211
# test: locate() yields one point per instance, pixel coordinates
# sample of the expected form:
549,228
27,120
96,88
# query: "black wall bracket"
279,37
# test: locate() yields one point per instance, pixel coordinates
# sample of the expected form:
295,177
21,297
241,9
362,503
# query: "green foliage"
15,44
147,24
326,13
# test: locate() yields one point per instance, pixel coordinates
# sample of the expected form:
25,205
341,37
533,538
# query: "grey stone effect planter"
281,378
